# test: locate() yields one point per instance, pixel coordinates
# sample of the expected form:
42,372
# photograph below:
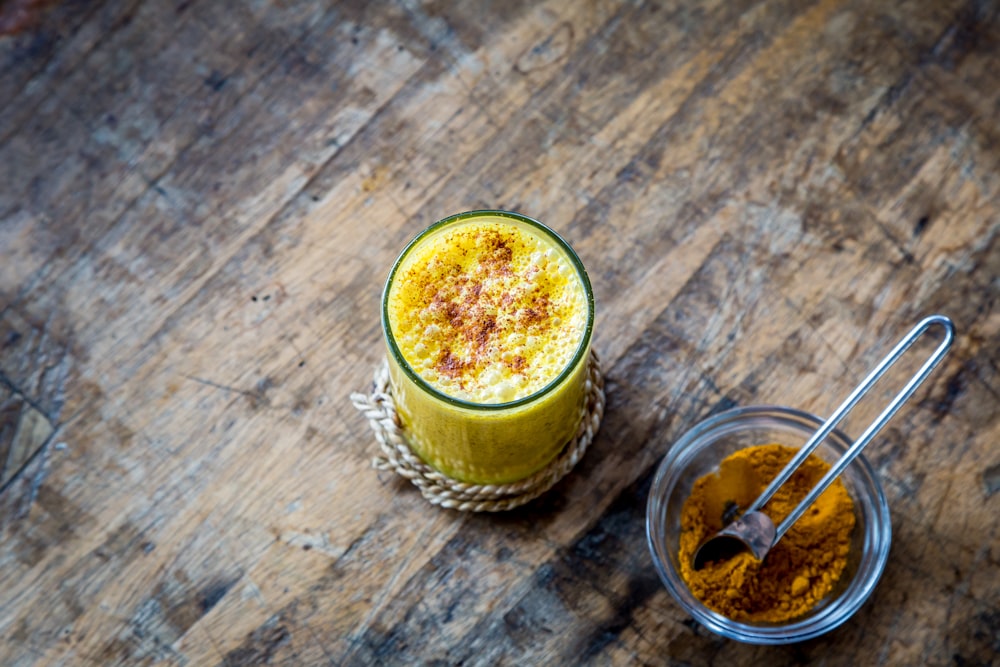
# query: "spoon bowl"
753,532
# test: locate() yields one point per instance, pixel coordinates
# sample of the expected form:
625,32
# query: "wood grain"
199,202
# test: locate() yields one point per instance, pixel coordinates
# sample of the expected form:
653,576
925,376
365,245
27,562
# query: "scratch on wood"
254,395
14,389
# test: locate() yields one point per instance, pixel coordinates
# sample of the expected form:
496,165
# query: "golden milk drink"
488,316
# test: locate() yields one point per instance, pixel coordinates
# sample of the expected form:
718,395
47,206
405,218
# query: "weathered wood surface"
199,201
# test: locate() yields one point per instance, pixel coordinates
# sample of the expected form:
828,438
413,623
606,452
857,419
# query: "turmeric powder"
805,564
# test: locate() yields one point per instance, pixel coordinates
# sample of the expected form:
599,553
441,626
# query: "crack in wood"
20,490
25,430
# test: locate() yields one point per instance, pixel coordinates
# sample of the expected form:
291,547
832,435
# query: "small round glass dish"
699,452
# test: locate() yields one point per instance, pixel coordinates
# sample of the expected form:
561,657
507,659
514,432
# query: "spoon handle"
872,430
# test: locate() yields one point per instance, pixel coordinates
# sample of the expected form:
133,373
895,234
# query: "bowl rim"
832,615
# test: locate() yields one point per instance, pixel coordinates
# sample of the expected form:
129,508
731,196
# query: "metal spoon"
754,530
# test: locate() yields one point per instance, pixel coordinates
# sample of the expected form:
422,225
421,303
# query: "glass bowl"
699,452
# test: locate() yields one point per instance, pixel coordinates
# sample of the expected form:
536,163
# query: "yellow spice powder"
800,570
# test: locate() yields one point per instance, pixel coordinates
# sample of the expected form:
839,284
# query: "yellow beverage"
487,316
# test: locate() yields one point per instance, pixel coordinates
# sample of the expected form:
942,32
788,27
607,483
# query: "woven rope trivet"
380,411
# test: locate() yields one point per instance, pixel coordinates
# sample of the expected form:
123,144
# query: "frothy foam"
487,311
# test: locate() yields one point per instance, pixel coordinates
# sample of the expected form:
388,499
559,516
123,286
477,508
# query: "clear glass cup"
490,443
699,452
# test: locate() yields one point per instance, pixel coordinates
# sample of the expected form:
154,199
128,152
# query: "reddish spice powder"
474,317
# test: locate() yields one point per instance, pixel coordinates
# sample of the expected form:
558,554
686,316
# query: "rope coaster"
380,411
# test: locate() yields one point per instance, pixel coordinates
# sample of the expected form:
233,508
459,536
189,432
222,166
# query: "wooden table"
200,200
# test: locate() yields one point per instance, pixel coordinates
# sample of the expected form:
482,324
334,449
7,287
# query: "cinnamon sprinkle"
486,298
449,364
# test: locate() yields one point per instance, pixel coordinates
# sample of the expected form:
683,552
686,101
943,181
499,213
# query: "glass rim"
546,231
